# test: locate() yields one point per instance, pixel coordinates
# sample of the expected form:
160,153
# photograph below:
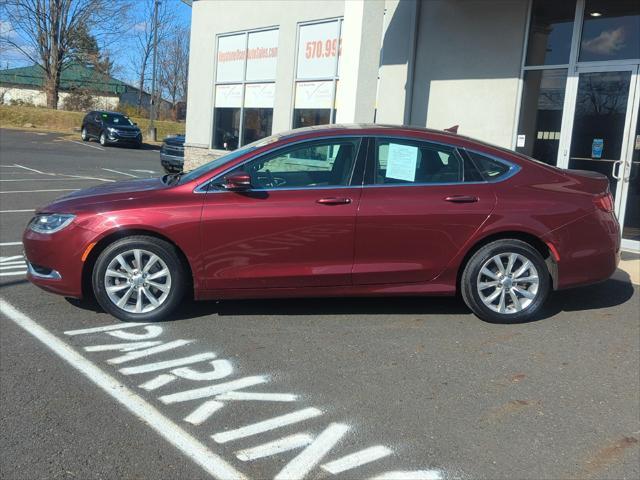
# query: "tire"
164,279
84,135
482,279
103,139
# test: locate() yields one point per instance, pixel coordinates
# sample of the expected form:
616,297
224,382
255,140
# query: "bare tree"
142,33
52,33
173,66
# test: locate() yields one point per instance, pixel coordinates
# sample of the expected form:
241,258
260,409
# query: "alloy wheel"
508,283
137,281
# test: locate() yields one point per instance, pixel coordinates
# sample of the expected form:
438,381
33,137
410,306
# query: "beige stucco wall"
467,70
39,99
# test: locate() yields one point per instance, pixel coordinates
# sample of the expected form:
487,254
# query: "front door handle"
461,199
334,201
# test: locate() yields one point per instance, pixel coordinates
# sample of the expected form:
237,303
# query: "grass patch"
69,122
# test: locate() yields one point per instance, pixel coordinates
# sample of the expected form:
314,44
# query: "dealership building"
555,79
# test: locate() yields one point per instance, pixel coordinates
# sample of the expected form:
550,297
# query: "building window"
550,32
317,72
245,87
610,30
541,114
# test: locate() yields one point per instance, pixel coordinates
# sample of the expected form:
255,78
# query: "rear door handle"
334,201
461,199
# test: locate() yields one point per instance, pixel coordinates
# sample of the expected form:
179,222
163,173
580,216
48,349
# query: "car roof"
444,136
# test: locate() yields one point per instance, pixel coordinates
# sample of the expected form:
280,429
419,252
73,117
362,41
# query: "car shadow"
611,293
143,146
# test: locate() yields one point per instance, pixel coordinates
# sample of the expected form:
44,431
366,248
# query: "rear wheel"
506,281
139,278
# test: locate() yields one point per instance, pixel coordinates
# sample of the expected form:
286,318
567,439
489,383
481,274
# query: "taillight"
604,202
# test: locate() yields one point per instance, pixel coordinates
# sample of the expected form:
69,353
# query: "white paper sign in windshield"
318,49
231,55
262,55
401,162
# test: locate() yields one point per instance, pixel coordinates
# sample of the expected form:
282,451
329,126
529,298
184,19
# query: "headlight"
111,130
50,223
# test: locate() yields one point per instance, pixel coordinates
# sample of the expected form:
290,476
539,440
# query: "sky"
10,58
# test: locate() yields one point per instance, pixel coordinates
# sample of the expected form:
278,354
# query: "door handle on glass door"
461,199
334,201
616,173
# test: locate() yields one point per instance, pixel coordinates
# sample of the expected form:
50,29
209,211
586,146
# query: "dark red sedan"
333,211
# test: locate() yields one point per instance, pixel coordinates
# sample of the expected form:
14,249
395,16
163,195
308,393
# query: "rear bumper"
588,249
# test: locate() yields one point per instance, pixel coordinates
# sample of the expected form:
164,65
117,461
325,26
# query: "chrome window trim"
203,187
513,168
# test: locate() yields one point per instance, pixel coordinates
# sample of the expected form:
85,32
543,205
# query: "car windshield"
213,164
115,119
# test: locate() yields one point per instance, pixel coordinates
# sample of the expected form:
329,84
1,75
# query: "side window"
407,162
490,169
312,164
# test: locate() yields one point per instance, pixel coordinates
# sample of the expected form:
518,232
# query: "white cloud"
608,42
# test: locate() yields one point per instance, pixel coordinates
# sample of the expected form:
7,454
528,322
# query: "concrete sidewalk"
629,265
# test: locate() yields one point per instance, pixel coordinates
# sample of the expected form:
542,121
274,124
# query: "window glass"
307,117
257,124
406,161
611,30
541,114
489,168
227,128
550,32
317,164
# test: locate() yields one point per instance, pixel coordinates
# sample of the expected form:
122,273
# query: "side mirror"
238,182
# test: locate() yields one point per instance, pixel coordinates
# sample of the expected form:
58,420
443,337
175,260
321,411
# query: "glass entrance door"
600,135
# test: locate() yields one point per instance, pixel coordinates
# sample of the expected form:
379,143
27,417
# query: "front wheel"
139,278
103,139
84,135
506,281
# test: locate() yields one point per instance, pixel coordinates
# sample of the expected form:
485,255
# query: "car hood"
175,141
90,198
127,128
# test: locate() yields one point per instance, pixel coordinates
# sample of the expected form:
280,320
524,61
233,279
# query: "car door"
420,204
295,227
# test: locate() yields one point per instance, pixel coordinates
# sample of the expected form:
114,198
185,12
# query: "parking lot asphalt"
313,388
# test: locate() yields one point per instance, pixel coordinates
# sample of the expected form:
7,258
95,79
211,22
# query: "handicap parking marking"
144,354
12,266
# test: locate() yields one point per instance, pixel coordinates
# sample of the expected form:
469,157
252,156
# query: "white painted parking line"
74,177
10,244
42,191
31,169
280,445
301,465
203,412
266,425
357,459
17,211
258,397
144,171
413,475
121,173
85,144
169,430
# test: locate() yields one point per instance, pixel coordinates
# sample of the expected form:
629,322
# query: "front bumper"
171,163
54,262
117,138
